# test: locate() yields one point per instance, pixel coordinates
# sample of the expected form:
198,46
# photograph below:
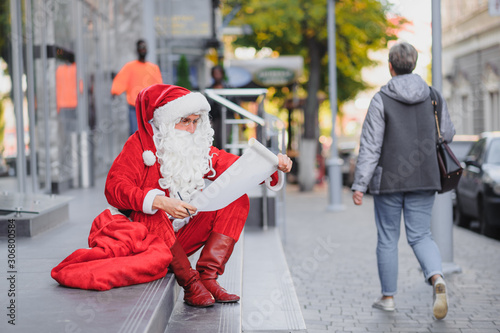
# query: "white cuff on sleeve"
147,204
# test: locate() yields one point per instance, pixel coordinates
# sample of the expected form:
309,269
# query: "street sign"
268,72
274,77
184,19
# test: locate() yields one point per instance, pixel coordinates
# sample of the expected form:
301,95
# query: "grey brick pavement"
332,260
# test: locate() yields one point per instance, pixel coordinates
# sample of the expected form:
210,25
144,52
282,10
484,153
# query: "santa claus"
159,169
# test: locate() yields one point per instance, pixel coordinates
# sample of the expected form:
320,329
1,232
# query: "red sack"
121,253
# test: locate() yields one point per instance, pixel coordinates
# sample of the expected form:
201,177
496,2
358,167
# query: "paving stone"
480,330
335,271
333,262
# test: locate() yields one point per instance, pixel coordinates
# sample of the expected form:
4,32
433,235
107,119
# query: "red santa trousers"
228,221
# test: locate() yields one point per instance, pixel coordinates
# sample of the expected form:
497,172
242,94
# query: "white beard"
184,159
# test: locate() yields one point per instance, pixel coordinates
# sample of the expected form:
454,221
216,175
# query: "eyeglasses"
186,122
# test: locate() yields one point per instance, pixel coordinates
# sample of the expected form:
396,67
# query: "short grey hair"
403,58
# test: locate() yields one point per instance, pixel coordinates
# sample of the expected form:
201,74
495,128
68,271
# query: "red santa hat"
166,103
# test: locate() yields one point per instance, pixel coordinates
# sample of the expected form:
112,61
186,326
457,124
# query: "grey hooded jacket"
394,137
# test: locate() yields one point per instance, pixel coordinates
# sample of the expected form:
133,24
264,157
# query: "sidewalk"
331,258
40,304
332,261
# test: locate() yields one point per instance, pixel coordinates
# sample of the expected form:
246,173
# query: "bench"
258,272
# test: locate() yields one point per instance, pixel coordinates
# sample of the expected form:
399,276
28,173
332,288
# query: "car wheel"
459,218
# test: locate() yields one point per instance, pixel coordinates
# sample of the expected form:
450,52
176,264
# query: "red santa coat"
131,176
124,252
127,251
130,179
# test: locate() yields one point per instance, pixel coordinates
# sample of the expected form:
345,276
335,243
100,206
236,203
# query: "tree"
4,54
183,73
299,27
2,125
4,29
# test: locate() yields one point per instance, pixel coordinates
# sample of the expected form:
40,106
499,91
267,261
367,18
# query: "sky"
413,9
420,13
419,34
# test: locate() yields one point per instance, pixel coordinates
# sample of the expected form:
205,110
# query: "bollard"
442,231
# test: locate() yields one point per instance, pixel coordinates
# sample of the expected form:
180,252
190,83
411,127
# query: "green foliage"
183,73
4,26
297,26
4,37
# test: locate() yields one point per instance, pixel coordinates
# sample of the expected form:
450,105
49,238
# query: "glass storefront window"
72,103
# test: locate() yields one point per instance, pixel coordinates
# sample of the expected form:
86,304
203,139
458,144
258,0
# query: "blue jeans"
417,208
132,119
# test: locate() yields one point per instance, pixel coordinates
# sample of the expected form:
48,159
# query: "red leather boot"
195,293
213,259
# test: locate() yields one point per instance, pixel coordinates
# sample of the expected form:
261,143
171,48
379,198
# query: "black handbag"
450,168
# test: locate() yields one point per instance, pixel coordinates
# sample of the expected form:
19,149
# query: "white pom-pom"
149,158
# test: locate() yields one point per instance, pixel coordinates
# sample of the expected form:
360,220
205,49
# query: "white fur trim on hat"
149,158
192,103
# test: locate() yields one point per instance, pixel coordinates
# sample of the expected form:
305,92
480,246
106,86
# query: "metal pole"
17,72
31,94
442,215
148,24
82,107
223,128
437,79
334,162
45,102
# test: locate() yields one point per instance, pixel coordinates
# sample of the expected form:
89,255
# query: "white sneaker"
385,304
440,301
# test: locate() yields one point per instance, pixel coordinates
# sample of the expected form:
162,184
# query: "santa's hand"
284,163
174,207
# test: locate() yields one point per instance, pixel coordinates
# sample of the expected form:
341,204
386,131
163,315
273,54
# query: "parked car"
478,192
4,168
348,152
460,146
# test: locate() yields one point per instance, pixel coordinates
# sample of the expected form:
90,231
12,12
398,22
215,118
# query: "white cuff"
279,184
147,204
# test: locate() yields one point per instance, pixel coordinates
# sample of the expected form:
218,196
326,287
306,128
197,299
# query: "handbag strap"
434,105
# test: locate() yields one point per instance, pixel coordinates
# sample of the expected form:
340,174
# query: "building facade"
471,64
64,55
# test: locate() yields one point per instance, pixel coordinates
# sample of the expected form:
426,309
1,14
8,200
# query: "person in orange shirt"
133,77
67,96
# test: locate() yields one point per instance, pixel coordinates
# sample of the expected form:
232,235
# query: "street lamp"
333,163
442,216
